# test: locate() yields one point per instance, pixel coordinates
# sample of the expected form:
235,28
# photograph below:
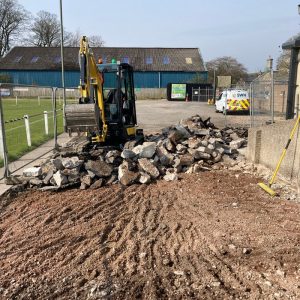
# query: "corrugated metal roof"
142,59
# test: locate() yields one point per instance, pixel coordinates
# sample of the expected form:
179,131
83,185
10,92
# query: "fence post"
16,100
27,127
46,123
54,90
39,100
3,145
251,105
272,95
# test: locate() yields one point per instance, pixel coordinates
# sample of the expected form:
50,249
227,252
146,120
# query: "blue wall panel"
43,78
146,79
141,79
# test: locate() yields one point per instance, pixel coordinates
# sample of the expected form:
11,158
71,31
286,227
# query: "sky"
248,30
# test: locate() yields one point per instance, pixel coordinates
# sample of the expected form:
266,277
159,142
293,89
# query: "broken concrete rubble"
191,147
32,172
126,177
148,167
99,168
170,177
60,179
146,150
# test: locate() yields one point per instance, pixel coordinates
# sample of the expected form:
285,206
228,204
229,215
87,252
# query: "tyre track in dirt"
175,240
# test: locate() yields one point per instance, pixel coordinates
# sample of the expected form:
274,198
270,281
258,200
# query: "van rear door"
238,100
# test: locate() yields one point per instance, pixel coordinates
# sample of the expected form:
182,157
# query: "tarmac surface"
153,115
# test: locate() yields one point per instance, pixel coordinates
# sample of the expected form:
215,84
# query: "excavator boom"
89,114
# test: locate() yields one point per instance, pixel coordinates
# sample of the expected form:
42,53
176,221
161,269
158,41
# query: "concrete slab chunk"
148,167
32,172
99,168
60,179
146,150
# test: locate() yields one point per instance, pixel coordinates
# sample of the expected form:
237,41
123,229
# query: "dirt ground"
213,235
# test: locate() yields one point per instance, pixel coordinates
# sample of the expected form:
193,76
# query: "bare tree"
73,40
13,20
283,62
226,66
46,30
96,41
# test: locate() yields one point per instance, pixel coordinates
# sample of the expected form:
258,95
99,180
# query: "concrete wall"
265,145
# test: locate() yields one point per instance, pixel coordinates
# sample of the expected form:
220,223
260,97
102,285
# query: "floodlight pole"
62,61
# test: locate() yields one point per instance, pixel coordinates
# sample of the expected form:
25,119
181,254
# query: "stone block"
146,150
236,144
32,172
144,178
148,167
194,143
99,168
170,177
127,154
72,162
125,176
60,179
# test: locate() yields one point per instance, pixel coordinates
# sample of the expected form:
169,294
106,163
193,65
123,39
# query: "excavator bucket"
81,118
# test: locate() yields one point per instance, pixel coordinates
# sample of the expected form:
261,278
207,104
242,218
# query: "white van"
233,100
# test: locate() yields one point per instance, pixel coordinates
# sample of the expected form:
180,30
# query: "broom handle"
284,150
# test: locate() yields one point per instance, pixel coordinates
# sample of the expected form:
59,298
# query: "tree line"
42,30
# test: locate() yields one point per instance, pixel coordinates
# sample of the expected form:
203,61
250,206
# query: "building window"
188,60
149,60
166,60
125,60
18,59
57,59
34,59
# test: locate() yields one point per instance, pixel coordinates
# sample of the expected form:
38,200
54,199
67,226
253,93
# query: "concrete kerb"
30,159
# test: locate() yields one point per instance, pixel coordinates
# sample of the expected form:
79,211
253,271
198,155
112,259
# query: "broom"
267,187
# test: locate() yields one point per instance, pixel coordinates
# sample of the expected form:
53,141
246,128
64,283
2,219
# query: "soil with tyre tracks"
213,235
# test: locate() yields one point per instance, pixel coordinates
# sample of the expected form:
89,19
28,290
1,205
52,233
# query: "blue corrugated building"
154,67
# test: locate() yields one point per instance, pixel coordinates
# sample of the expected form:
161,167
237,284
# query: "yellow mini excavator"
106,111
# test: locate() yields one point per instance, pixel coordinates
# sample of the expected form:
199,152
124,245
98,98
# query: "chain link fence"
268,101
30,116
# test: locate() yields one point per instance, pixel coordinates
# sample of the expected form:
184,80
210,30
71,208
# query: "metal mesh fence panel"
28,117
268,102
236,118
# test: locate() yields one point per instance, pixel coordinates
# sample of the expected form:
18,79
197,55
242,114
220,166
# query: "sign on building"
224,81
178,91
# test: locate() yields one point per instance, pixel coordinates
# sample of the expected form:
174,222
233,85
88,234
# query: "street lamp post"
62,62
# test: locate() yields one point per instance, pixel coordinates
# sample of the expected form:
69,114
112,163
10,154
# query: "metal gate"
202,95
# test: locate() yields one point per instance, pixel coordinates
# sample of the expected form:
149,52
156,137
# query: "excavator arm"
90,112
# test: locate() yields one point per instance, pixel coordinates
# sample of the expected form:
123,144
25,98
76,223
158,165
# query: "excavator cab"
106,111
118,94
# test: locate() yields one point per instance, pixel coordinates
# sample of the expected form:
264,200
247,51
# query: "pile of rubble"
192,146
